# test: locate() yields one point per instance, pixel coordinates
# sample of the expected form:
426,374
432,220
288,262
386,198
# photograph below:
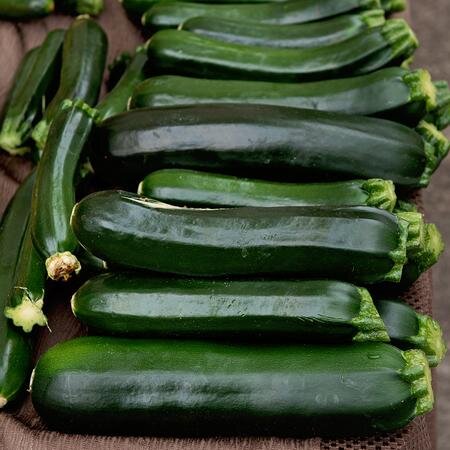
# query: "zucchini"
264,141
15,349
83,63
91,7
166,387
440,116
360,244
54,191
410,329
35,79
170,14
391,6
116,101
393,93
25,9
191,188
178,52
117,68
138,305
306,35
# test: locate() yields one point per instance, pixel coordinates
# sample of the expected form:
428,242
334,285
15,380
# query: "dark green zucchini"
365,244
192,188
91,7
393,93
262,141
410,329
54,191
34,81
178,52
306,35
391,6
167,387
170,14
15,348
83,63
117,68
139,305
25,9
116,100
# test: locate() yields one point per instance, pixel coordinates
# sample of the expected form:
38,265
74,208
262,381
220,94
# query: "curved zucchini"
35,79
25,9
410,329
178,52
171,14
192,188
138,305
100,385
366,244
15,349
266,141
54,191
83,63
116,100
91,7
307,35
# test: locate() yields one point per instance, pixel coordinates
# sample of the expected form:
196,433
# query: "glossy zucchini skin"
410,329
392,93
34,82
306,35
366,245
83,62
54,191
102,385
25,9
15,349
178,52
267,140
193,188
172,14
116,100
138,305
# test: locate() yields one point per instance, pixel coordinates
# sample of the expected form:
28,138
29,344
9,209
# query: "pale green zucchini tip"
417,373
50,6
27,313
432,248
398,255
394,5
62,266
368,321
40,133
12,142
90,7
416,232
373,18
381,193
442,93
421,88
400,37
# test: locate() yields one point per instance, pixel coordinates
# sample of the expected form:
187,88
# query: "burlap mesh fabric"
20,427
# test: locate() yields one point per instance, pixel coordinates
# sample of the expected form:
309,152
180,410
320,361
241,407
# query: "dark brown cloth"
20,427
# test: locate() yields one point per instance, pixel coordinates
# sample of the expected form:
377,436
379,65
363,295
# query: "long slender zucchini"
100,385
393,93
83,63
172,14
192,188
15,349
25,9
128,304
391,6
54,191
306,35
35,78
178,52
360,244
410,329
264,141
91,7
116,101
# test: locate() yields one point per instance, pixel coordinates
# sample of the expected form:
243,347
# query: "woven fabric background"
20,427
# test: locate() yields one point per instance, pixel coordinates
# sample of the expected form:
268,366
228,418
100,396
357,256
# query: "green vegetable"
170,14
117,68
265,141
25,9
315,34
15,349
440,116
175,52
361,244
191,188
392,6
116,101
33,83
84,56
91,7
104,385
54,191
409,329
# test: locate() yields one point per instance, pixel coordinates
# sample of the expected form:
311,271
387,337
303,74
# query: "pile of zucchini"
234,205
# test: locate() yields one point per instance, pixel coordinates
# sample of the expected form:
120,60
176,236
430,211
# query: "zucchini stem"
3,401
421,88
398,255
62,266
400,37
381,193
416,232
392,6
